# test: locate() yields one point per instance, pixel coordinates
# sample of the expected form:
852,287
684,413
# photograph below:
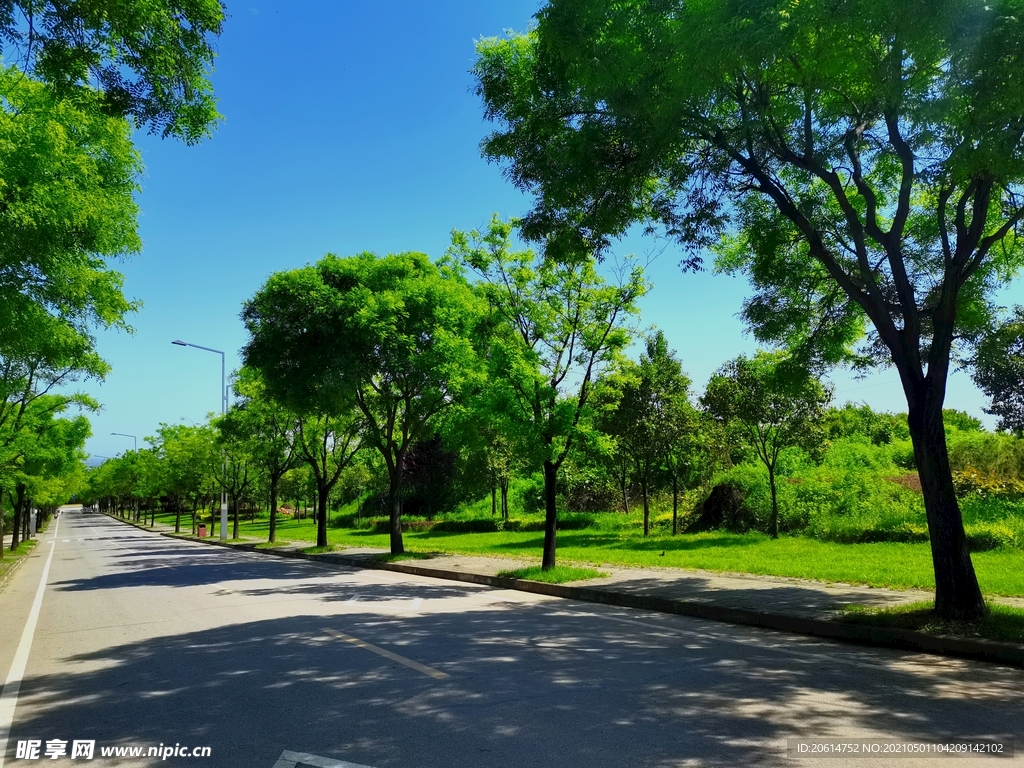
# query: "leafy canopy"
866,156
150,60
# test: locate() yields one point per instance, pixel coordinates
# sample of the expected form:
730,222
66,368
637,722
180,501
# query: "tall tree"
561,325
391,333
772,404
868,158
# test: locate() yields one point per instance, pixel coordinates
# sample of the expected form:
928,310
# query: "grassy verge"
884,564
11,559
558,575
1002,623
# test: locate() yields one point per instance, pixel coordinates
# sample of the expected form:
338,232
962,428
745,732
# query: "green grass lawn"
1000,571
896,565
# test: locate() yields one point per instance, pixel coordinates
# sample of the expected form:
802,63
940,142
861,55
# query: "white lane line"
352,600
290,759
435,673
9,697
417,603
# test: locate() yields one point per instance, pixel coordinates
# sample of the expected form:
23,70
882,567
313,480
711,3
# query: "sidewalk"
802,606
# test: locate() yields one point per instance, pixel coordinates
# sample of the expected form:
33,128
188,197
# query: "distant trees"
651,417
560,325
771,403
999,371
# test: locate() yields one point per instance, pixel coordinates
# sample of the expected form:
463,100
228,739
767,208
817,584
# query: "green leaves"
150,60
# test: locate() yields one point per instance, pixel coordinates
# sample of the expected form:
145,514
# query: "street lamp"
224,455
133,437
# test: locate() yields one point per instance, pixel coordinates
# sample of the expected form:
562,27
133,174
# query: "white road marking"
293,759
417,603
352,600
435,673
9,697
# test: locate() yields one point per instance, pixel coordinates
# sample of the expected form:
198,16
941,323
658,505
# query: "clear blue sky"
349,126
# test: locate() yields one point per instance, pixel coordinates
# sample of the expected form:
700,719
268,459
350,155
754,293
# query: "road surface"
142,641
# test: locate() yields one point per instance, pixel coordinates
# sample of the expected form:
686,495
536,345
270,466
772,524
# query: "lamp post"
224,455
136,441
133,437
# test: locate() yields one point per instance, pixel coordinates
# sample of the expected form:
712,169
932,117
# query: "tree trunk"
503,484
177,515
234,516
675,505
494,498
273,508
550,515
647,506
774,524
395,501
16,527
623,484
957,594
321,517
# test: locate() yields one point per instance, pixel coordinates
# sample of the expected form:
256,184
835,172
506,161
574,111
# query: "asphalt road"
144,641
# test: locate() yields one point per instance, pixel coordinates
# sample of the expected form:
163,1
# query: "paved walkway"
803,598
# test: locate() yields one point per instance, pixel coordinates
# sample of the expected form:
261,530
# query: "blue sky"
350,126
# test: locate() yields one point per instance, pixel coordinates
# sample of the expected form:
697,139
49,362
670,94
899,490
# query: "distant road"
143,641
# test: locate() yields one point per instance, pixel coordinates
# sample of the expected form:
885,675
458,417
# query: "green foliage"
68,175
999,371
770,403
389,336
150,61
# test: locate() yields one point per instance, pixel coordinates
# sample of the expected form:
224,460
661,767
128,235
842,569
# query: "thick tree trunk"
494,498
234,516
675,505
550,515
177,515
16,527
395,501
273,509
957,594
647,506
321,517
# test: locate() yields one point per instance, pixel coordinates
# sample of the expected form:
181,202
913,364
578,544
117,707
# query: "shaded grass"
272,544
389,558
318,550
11,559
1003,622
557,575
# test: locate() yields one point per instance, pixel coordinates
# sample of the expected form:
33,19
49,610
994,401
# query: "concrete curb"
859,634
